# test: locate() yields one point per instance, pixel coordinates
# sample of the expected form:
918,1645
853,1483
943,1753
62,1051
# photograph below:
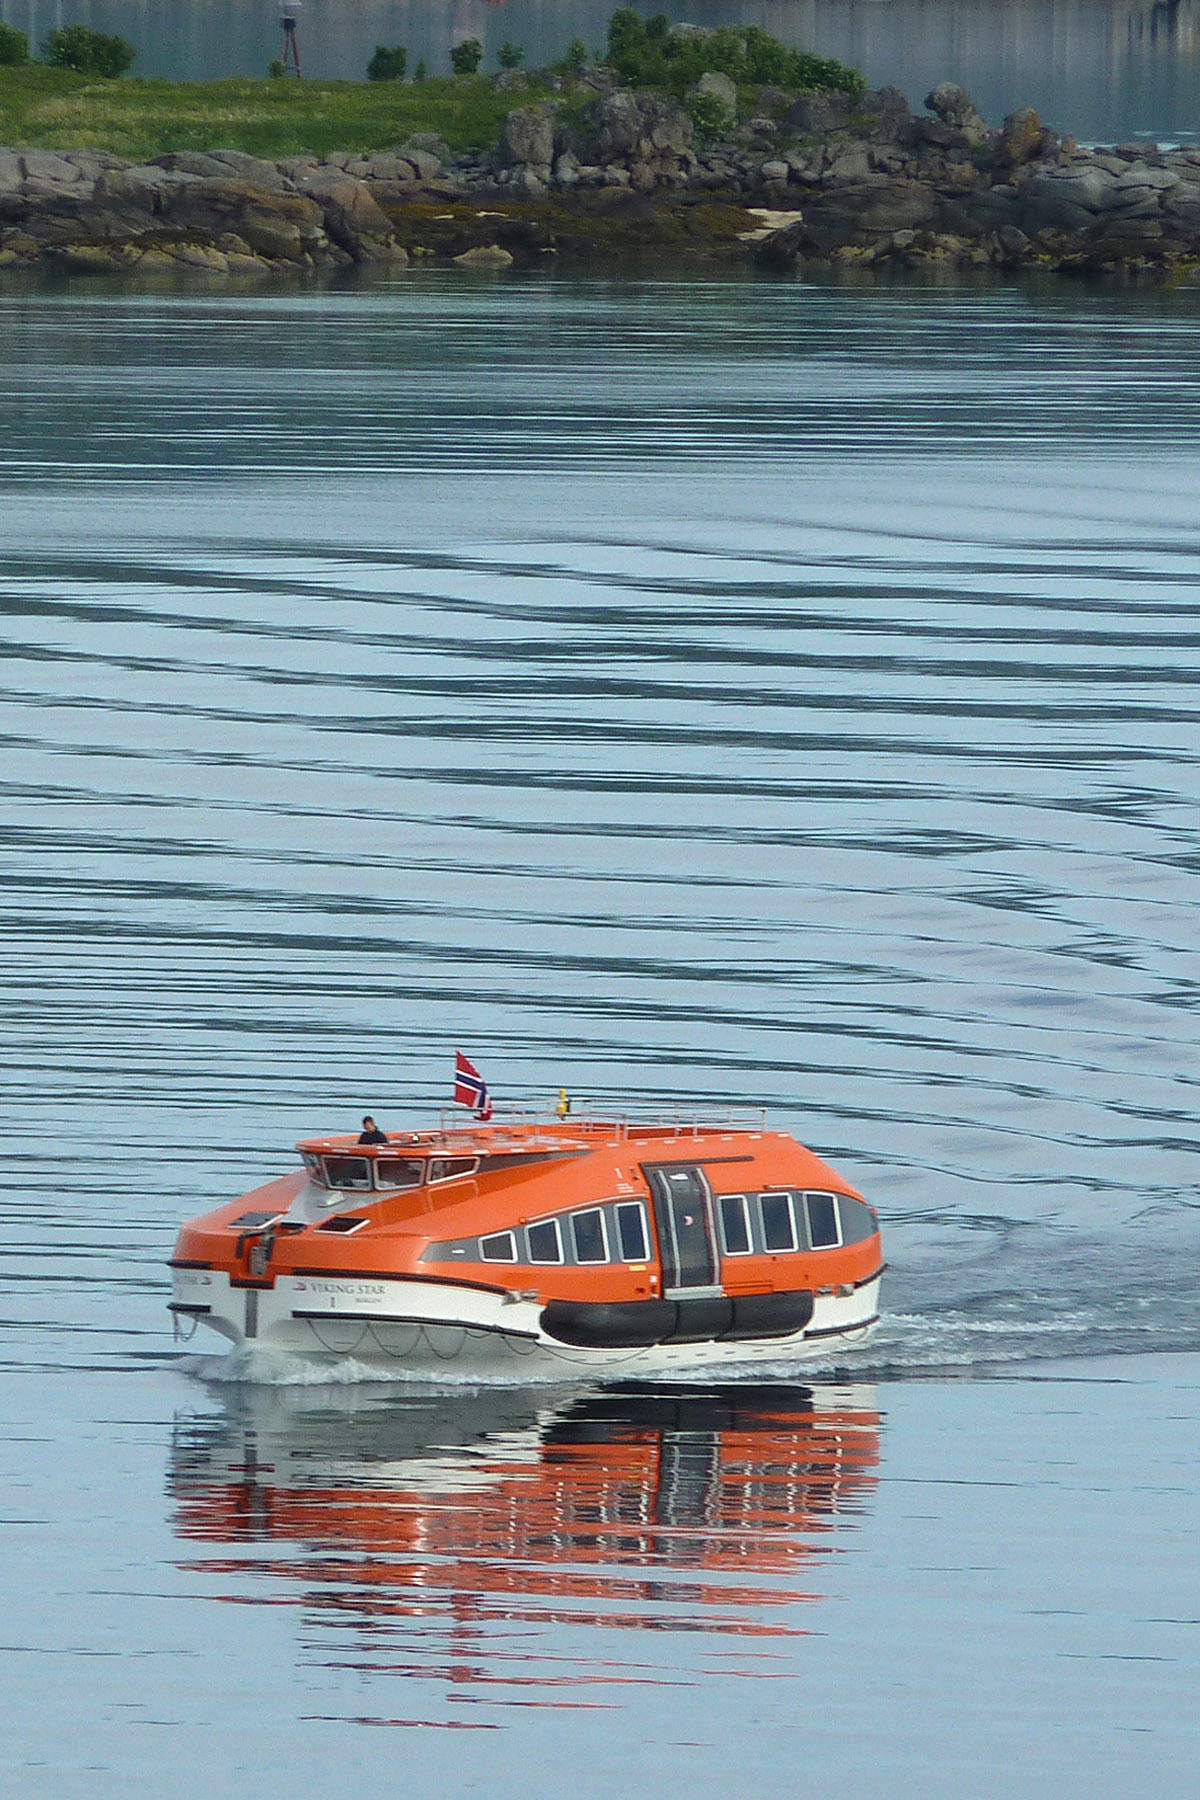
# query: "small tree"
466,57
420,72
389,63
88,52
510,56
14,47
710,116
577,54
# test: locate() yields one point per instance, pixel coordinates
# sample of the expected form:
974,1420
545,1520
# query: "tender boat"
530,1248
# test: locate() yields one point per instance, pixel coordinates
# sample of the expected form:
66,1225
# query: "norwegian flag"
470,1089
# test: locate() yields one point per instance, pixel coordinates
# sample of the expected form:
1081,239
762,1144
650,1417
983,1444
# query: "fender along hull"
422,1329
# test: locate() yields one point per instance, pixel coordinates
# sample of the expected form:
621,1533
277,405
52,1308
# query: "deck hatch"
344,1223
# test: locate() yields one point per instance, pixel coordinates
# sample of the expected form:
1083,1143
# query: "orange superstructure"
568,1240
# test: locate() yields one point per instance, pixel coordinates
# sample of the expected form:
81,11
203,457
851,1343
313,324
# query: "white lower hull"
410,1328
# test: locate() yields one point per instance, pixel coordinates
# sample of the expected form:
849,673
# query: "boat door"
685,1231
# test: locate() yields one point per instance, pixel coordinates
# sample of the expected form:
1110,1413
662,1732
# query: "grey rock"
485,256
249,168
427,165
818,113
1147,175
92,163
191,162
527,138
961,125
851,164
284,227
951,104
775,171
428,141
720,87
1082,185
44,166
887,111
11,172
388,165
781,248
1020,136
1012,242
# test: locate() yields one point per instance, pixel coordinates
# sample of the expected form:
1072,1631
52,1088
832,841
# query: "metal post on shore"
291,48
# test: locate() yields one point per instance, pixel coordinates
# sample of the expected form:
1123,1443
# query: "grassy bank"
53,109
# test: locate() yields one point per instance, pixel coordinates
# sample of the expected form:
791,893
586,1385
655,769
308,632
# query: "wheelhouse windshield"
353,1174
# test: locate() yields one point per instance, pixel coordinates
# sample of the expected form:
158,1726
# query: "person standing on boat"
370,1133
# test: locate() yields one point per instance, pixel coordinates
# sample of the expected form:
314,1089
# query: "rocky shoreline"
815,179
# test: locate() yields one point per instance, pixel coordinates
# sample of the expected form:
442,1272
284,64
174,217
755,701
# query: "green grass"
52,109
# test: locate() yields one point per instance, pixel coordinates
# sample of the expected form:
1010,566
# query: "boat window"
347,1172
545,1242
735,1224
501,1247
446,1168
312,1163
631,1230
858,1221
823,1230
591,1243
779,1226
399,1171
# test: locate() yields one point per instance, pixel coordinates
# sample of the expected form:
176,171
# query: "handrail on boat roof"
524,1128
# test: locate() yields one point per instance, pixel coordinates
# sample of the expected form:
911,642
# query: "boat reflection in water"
488,1542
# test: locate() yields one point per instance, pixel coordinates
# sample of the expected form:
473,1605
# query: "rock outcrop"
850,178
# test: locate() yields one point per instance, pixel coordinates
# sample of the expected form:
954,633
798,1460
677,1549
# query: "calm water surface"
740,692
1103,69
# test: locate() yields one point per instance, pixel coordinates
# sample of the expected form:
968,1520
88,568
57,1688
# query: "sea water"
721,693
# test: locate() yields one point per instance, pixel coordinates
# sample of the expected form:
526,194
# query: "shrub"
627,43
653,53
389,63
577,54
710,116
420,72
88,52
510,56
275,69
466,57
14,47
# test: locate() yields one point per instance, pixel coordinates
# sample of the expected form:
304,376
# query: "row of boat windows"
352,1174
748,1224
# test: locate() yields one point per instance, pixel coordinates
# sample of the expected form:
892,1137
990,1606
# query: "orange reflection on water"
479,1540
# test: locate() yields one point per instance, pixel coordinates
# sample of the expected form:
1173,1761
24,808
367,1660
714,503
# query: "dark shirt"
372,1137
